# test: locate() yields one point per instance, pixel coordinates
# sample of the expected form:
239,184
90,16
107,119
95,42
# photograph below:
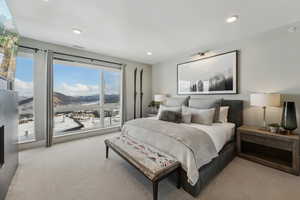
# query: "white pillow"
223,116
168,108
186,115
202,116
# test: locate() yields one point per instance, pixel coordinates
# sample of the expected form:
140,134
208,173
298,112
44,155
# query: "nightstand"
270,149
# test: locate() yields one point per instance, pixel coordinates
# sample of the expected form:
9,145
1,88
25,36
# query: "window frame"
77,62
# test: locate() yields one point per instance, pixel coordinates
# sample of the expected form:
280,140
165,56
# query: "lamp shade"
265,99
159,97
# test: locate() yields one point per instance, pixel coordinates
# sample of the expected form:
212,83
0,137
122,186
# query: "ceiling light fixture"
76,31
149,53
232,19
203,53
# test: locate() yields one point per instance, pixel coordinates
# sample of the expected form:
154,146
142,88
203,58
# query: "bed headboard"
235,113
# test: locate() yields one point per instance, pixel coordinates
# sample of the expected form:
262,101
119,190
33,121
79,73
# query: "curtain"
123,96
49,124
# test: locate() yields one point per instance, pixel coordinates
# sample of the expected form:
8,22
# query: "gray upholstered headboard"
235,113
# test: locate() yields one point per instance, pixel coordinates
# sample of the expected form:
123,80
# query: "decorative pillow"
170,116
186,115
206,104
202,116
168,108
223,117
177,101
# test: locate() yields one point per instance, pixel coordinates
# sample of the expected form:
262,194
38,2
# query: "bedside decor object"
265,100
274,128
159,98
289,119
154,105
215,74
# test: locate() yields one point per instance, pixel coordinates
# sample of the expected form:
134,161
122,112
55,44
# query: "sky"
4,10
5,16
69,80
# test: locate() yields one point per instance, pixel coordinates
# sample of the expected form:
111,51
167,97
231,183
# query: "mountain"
62,99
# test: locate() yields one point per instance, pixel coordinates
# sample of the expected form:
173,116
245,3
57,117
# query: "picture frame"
217,74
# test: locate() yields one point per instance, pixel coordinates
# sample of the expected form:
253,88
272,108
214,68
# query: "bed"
226,154
203,151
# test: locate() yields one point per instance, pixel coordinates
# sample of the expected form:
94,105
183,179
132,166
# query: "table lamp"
265,100
159,98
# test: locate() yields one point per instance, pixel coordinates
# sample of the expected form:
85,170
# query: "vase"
289,119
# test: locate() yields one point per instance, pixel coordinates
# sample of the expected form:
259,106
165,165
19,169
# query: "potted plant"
154,106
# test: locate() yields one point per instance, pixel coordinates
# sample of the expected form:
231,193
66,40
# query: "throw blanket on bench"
192,147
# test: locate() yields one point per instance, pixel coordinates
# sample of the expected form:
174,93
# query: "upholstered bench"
152,163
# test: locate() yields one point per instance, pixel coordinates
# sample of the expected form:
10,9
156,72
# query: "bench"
152,163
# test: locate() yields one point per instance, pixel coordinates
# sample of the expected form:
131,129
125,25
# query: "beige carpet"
78,171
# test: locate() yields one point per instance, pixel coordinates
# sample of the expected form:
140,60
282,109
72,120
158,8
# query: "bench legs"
107,149
155,184
155,190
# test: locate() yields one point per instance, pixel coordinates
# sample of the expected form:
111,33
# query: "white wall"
269,62
40,84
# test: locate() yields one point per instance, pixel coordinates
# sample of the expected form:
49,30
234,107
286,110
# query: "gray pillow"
205,104
177,101
170,116
202,116
168,108
186,115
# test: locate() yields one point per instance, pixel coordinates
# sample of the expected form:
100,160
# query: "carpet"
78,170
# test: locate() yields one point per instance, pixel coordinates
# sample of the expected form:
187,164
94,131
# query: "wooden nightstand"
270,149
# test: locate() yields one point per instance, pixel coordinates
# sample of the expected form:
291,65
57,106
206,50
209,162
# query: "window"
85,97
24,87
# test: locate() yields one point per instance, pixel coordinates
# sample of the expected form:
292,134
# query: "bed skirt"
209,171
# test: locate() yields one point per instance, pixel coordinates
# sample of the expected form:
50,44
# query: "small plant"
151,104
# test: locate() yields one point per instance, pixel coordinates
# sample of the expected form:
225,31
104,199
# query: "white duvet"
220,133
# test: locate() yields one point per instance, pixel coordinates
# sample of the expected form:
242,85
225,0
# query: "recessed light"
76,31
45,0
292,29
232,19
149,53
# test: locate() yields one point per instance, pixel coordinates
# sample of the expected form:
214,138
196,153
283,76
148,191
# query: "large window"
24,87
85,97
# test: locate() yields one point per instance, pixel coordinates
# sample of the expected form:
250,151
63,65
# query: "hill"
62,99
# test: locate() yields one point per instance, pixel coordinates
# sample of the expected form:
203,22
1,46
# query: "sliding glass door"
85,97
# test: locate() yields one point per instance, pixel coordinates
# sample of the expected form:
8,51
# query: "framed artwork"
210,75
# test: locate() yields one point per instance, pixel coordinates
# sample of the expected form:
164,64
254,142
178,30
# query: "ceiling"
130,28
